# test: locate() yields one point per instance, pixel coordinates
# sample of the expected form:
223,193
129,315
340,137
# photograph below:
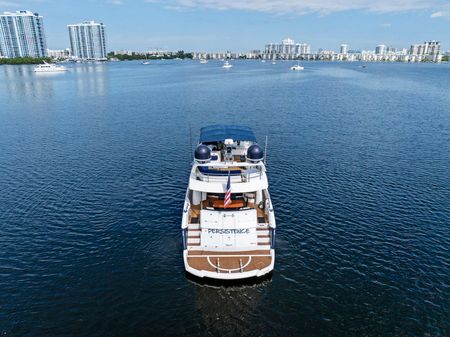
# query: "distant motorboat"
227,65
263,61
146,62
297,68
48,68
203,61
273,62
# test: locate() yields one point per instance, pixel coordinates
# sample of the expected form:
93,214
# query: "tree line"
25,60
139,56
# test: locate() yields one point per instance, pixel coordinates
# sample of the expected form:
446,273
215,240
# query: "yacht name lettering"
229,231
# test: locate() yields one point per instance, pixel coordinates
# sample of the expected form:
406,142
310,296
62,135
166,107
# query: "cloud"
308,6
386,25
441,14
9,4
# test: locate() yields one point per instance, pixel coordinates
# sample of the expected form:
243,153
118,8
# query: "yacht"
228,223
48,68
297,67
227,65
203,61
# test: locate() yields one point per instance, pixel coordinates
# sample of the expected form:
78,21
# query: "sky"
243,25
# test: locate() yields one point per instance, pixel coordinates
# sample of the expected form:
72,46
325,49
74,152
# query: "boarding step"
264,240
194,226
263,233
193,234
262,226
193,241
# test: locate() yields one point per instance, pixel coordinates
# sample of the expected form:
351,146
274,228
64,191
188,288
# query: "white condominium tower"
380,49
87,40
22,35
344,49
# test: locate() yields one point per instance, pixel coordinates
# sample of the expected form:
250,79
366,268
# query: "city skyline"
238,26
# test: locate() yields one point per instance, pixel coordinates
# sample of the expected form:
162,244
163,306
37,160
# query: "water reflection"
22,83
92,79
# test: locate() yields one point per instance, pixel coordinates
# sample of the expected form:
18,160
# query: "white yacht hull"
49,71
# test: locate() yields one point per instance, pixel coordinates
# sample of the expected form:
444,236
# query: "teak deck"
229,262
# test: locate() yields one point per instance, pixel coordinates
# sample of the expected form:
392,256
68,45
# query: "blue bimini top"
218,133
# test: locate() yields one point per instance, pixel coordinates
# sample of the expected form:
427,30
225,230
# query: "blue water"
94,165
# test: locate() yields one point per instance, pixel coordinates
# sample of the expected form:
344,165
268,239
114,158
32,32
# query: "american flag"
228,193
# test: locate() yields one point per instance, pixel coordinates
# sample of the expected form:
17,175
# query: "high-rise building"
271,48
426,48
287,46
414,49
344,49
22,35
302,49
380,49
391,50
87,40
432,47
306,48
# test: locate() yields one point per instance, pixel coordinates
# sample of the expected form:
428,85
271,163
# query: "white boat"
273,62
263,61
48,68
203,61
146,62
228,224
227,65
297,67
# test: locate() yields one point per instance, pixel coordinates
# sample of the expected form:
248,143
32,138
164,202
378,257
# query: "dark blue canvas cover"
218,133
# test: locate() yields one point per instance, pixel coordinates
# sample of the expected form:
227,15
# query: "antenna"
190,141
265,153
